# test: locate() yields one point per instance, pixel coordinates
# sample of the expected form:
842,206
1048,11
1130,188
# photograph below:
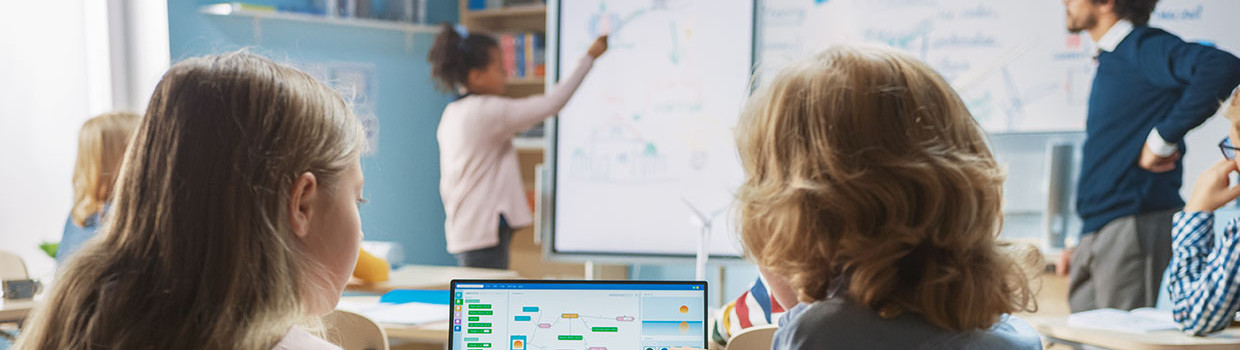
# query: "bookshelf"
516,18
531,11
511,18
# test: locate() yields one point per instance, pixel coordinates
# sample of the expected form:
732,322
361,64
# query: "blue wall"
402,177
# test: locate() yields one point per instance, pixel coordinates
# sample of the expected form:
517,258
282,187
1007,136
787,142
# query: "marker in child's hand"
598,47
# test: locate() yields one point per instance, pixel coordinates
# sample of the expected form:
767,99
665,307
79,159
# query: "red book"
508,49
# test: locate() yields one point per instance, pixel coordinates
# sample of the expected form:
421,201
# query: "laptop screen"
587,315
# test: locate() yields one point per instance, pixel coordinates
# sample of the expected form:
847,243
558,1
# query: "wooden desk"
1056,328
429,277
15,310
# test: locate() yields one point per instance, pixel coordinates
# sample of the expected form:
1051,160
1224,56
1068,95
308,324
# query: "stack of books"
476,5
524,54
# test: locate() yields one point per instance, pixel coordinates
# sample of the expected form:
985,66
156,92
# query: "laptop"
586,315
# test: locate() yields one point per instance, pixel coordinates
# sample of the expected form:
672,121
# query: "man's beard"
1082,24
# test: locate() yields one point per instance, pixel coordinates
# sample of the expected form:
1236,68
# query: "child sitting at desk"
101,145
235,219
872,200
1205,277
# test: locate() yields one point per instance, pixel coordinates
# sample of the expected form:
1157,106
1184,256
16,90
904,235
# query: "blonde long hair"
101,144
862,163
197,252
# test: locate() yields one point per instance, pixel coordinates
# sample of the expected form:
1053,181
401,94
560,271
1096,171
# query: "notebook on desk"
592,315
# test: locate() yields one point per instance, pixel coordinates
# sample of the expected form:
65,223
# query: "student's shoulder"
1010,332
476,102
299,339
841,322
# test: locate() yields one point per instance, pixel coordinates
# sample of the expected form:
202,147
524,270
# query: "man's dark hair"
1136,11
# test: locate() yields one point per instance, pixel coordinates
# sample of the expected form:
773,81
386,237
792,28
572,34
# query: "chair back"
12,267
753,338
352,331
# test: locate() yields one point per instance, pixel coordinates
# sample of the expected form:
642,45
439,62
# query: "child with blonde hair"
101,146
234,221
872,203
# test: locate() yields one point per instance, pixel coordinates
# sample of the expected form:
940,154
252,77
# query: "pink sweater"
479,174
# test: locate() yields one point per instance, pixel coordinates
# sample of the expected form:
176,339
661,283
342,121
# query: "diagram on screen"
626,321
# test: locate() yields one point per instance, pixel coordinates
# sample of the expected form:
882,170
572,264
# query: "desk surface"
435,332
1057,327
429,277
15,310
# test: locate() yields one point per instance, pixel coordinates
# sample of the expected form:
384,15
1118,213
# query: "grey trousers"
1121,265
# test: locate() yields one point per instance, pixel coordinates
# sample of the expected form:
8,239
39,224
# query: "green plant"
50,248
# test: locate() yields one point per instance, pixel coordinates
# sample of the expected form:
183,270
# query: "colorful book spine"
507,47
523,54
519,52
540,55
529,54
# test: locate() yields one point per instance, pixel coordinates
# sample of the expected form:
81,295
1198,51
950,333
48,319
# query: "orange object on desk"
371,268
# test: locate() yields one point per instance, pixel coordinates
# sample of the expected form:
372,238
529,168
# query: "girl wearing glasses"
1205,271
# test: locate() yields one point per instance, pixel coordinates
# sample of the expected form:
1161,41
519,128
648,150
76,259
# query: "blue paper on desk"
401,296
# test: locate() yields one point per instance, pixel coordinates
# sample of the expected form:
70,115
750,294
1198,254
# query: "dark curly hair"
1136,11
453,56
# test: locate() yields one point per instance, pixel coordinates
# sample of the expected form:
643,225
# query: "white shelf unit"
529,143
229,10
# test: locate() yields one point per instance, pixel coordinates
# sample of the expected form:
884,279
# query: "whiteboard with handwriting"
1012,61
645,145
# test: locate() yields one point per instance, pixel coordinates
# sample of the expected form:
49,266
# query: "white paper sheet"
1141,320
407,313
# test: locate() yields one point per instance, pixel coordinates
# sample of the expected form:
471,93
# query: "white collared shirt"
1115,35
1108,43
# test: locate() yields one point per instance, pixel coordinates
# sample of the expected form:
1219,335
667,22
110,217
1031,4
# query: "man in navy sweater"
1150,89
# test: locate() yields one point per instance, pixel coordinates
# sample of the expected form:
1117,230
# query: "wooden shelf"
508,12
227,10
506,19
536,82
529,143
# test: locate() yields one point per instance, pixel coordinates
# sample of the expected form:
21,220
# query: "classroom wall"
402,178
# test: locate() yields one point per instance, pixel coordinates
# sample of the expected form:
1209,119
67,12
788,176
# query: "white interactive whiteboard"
651,126
648,135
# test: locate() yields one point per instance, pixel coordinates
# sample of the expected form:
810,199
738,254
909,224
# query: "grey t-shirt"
839,323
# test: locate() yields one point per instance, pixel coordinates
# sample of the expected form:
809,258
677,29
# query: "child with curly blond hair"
872,203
